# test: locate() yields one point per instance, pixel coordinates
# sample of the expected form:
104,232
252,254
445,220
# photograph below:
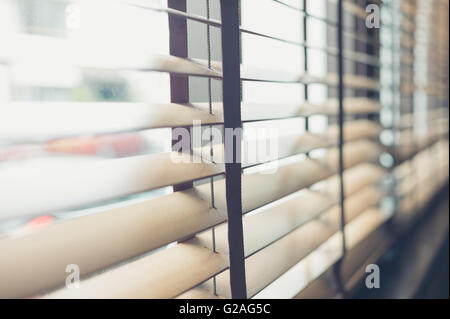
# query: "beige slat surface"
426,173
355,130
259,189
293,144
314,273
268,264
361,234
67,52
354,152
249,73
352,8
355,178
57,51
354,81
152,276
430,178
278,220
50,186
408,143
266,111
97,241
28,121
272,223
354,265
31,121
254,151
198,293
355,105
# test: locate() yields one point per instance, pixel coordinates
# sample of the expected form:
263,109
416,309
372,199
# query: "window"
114,118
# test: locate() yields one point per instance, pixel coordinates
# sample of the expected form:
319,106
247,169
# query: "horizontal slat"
272,262
427,173
119,234
267,265
293,144
407,41
216,23
429,117
349,7
352,8
288,145
198,293
165,274
425,188
197,18
30,121
259,189
304,272
423,246
39,121
313,277
46,186
213,22
156,6
355,130
361,234
367,252
361,57
251,149
409,143
278,220
421,176
354,153
273,223
64,52
249,73
355,178
361,82
355,105
264,111
358,82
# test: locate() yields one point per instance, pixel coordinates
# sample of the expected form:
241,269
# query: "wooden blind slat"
100,240
53,186
165,274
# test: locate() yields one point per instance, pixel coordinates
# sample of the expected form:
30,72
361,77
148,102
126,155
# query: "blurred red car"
114,145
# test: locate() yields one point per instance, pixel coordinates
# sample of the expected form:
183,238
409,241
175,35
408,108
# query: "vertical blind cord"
411,111
211,150
341,121
232,95
305,58
394,108
409,108
337,267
